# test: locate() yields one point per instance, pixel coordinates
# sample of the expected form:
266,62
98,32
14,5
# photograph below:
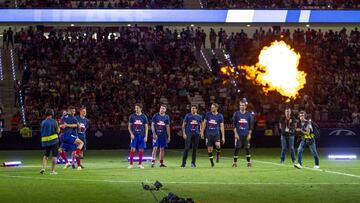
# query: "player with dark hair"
243,127
212,125
70,140
160,127
287,126
191,129
138,129
49,140
307,139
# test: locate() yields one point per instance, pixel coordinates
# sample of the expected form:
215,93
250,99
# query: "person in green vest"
49,140
307,139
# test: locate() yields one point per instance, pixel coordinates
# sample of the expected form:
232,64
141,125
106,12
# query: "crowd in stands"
170,4
110,73
107,70
154,4
281,4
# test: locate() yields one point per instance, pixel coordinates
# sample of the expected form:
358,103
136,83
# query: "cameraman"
307,139
287,126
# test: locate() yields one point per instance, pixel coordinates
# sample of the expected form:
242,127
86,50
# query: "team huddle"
72,135
194,127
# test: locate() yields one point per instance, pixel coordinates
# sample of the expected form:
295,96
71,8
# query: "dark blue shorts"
68,147
138,142
69,138
160,142
210,139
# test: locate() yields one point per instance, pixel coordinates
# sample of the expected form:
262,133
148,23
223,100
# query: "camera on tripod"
170,198
156,186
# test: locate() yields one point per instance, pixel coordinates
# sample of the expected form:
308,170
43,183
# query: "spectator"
10,38
15,121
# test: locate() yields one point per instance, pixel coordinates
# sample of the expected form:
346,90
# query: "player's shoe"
53,173
141,166
217,158
130,166
162,165
316,167
298,166
152,165
182,166
249,164
212,165
82,166
282,162
79,168
73,166
42,171
67,165
234,165
193,165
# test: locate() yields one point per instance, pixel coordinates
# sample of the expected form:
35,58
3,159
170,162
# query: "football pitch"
106,178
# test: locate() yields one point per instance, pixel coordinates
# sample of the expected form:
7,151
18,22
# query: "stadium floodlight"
342,156
145,158
12,163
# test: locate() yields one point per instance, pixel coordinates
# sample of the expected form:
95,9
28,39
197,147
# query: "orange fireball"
277,70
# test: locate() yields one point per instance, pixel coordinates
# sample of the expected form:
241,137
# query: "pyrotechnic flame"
277,70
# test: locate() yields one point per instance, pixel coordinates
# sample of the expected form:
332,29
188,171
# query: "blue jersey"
138,124
243,122
192,123
49,135
84,124
213,123
160,122
70,119
61,121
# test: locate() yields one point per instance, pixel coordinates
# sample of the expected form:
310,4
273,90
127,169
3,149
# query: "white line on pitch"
308,168
174,182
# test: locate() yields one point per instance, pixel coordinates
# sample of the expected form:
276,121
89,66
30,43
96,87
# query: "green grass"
107,179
